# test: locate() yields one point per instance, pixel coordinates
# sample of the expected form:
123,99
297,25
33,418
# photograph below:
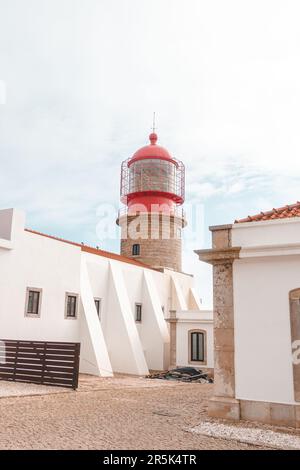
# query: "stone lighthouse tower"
152,189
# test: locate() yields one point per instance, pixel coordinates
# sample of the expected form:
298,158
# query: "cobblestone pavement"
120,413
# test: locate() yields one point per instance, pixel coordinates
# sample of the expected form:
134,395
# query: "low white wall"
267,233
188,321
55,267
268,270
262,327
38,262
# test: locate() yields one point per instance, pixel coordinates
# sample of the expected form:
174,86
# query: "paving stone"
110,413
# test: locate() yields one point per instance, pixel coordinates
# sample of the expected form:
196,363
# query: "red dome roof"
151,151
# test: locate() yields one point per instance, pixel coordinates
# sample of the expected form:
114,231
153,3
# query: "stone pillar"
222,255
172,320
295,335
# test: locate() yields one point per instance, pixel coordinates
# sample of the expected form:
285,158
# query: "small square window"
136,249
138,313
33,302
71,306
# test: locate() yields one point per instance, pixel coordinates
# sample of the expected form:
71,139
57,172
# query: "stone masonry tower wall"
159,239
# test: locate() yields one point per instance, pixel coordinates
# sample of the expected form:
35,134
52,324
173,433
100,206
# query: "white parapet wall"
114,341
191,321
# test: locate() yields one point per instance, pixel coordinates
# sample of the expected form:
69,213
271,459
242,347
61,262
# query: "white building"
117,308
257,317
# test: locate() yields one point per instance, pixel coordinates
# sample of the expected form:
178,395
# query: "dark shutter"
136,249
71,306
33,302
138,312
197,346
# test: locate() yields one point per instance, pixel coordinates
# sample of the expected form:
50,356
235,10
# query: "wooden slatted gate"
47,363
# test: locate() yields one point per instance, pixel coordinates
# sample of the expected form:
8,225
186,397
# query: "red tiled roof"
288,211
92,250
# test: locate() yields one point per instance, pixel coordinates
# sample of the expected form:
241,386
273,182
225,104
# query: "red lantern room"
152,177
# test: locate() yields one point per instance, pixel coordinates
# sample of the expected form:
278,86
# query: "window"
138,312
33,302
98,306
71,306
197,346
136,249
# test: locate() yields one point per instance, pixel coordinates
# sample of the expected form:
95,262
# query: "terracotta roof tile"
93,250
288,211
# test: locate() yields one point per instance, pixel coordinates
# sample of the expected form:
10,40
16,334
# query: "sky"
83,77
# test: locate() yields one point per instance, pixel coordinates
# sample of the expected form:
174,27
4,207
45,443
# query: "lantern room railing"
175,212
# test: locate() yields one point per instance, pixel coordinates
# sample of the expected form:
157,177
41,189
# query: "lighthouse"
152,219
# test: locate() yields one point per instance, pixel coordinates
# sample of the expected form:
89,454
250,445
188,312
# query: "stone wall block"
223,317
256,411
224,384
283,415
223,296
221,239
222,274
224,339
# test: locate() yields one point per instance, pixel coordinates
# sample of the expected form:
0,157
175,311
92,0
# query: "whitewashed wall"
187,321
117,342
38,262
268,270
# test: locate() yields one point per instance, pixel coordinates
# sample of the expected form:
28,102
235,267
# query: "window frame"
138,320
195,361
39,291
67,295
138,246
